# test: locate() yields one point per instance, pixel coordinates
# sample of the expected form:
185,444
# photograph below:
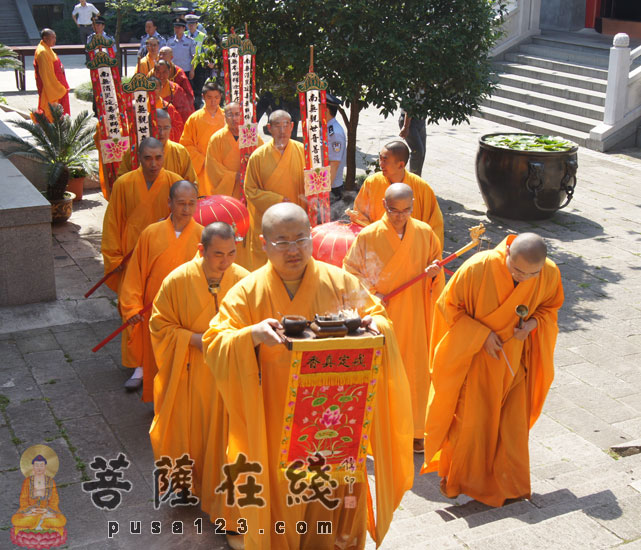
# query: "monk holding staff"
368,205
161,248
242,341
222,161
385,255
490,370
274,174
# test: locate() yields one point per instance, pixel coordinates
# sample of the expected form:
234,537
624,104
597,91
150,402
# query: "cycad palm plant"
63,145
9,58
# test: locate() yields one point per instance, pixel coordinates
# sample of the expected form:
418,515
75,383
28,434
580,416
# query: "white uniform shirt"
84,14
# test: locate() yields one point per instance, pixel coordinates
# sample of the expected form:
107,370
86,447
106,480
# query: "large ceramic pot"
525,185
61,209
76,186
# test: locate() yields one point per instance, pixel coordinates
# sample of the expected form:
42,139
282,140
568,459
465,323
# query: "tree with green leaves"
432,55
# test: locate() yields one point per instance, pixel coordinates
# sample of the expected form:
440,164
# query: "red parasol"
221,208
332,241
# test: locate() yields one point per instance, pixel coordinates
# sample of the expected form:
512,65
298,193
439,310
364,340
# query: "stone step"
550,88
534,112
559,66
547,101
596,59
539,73
572,42
531,125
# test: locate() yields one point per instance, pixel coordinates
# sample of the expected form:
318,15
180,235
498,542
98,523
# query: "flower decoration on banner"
140,92
113,149
239,66
107,89
313,111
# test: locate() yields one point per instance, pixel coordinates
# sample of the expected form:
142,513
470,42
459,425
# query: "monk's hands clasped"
433,269
493,345
265,333
523,332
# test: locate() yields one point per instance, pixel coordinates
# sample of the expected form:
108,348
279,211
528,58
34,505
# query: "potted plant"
63,146
526,176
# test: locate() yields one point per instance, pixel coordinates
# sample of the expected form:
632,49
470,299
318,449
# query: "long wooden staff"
106,277
120,329
475,235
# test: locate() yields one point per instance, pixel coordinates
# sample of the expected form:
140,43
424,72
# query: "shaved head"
161,114
177,186
45,33
232,105
284,213
278,115
221,230
398,191
399,150
149,143
530,247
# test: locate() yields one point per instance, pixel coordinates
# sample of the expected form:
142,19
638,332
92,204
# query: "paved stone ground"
55,391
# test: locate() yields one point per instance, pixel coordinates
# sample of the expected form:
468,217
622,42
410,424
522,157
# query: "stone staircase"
12,31
554,84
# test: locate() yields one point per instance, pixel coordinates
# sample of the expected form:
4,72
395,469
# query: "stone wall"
562,15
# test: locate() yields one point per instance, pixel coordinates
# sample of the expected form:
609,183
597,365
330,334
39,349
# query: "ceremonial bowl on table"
526,176
332,241
221,208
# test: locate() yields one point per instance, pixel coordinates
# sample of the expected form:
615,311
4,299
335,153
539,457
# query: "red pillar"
592,11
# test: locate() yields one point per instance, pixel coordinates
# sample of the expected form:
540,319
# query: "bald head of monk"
392,160
163,120
183,198
151,156
280,127
166,54
232,117
526,256
212,96
48,36
287,239
218,248
398,203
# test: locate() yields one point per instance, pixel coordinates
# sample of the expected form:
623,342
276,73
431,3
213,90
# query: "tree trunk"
352,125
117,38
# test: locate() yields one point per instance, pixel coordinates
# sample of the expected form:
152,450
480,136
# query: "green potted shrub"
62,146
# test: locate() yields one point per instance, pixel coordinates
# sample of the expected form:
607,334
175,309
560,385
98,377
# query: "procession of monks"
462,377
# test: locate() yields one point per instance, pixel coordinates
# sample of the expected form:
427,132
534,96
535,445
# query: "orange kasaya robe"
222,164
383,262
481,409
51,81
199,127
177,75
131,208
146,65
177,160
190,414
176,96
368,205
256,408
158,252
270,178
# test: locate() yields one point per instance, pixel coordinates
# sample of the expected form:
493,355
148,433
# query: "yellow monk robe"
222,163
28,518
383,262
479,413
270,178
368,205
200,126
51,81
177,160
145,65
256,409
190,414
157,253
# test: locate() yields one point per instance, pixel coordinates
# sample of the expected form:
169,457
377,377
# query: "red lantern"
332,241
221,208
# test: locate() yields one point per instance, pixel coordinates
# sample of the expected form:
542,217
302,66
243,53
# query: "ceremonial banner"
330,403
311,96
231,44
138,91
112,121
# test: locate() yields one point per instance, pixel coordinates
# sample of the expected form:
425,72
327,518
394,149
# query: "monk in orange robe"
242,342
50,75
176,74
491,373
177,159
138,199
146,64
368,205
386,254
172,93
274,174
201,125
190,414
222,161
161,248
